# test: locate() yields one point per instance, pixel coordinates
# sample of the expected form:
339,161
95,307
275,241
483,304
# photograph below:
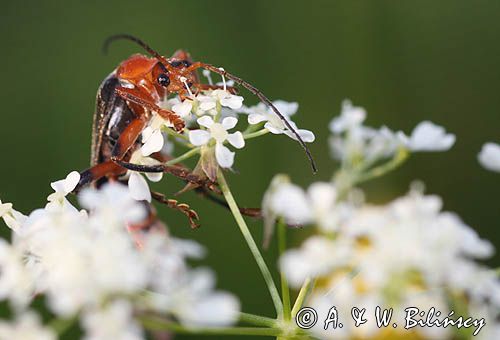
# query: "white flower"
428,136
114,321
183,109
138,186
351,141
57,200
298,207
291,202
209,101
489,157
227,99
64,186
261,113
218,132
26,327
153,141
350,117
152,136
360,146
13,218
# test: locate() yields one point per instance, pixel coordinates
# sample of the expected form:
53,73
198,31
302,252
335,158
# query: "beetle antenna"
136,40
266,101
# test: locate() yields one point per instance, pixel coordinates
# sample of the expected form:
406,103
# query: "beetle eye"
163,79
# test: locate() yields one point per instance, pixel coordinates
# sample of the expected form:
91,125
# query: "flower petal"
489,157
224,156
236,139
68,184
350,117
273,129
207,105
291,202
256,118
205,121
154,176
5,208
139,189
183,109
428,136
153,144
147,132
199,137
229,122
306,135
232,101
285,108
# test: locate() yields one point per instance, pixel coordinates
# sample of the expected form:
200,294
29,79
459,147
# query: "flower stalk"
304,291
251,243
285,289
159,324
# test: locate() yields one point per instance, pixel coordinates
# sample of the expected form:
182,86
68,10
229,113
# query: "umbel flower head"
352,142
103,276
408,252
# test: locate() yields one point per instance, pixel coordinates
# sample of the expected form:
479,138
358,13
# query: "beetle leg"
98,171
177,171
251,212
139,98
127,138
182,207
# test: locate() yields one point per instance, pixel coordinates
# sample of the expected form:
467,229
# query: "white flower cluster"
405,253
92,265
209,115
357,144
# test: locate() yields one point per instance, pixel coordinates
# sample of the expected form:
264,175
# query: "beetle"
126,101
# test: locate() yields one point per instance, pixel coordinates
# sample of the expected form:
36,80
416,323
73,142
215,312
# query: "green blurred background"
404,61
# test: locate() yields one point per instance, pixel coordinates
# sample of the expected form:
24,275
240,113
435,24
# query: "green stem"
378,171
257,320
256,134
158,324
304,290
253,127
251,242
285,290
184,156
